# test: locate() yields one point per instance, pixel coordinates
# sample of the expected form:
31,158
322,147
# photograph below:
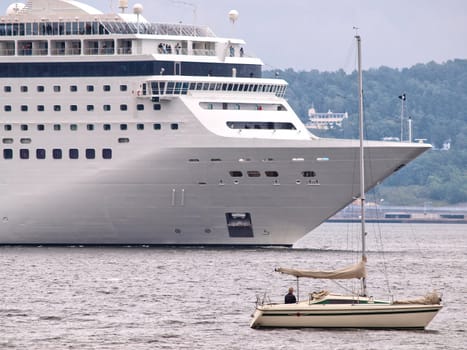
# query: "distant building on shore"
324,121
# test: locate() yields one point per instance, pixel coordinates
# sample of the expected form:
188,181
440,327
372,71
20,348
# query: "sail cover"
354,271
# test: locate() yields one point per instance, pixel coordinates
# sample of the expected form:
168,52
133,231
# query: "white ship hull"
108,138
345,316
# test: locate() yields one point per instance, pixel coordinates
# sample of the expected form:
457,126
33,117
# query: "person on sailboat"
290,297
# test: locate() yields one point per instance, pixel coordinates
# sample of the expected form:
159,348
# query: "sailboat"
329,310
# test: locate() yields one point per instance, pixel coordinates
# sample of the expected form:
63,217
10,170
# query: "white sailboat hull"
303,314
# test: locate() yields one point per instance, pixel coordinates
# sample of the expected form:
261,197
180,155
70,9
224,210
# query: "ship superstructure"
115,130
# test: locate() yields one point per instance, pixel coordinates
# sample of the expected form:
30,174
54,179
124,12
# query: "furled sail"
354,271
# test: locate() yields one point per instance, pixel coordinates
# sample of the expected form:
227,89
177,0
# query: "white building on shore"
324,121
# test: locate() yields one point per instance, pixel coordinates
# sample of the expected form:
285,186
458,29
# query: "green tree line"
436,102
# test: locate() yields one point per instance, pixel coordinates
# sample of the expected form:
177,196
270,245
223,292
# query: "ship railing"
97,27
169,87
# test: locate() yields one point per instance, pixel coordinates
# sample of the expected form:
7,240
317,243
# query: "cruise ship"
118,131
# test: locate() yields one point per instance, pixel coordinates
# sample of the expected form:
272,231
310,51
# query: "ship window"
24,127
7,127
90,108
239,224
140,107
156,107
123,107
107,153
236,173
40,108
90,127
57,108
24,108
106,87
253,173
174,126
73,108
8,153
25,140
90,88
73,153
7,88
7,108
157,126
73,127
57,127
190,160
216,160
40,88
40,127
24,153
24,88
57,153
107,108
123,87
139,126
106,127
308,173
271,173
90,153
73,88
40,153
123,127
57,88
260,125
123,140
7,140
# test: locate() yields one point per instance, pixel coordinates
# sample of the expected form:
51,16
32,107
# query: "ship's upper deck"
60,31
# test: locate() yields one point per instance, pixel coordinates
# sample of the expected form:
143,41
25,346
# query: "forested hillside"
436,103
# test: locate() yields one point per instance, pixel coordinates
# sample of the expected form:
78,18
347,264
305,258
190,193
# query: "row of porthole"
268,173
89,127
275,182
58,88
74,108
57,153
179,231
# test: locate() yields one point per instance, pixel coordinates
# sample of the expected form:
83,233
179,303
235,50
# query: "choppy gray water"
151,298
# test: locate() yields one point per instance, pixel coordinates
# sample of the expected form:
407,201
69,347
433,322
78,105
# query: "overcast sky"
318,34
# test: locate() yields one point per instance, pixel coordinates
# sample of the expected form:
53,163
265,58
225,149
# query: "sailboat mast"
362,164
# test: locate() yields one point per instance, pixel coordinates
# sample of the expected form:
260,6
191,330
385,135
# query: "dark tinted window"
90,153
57,153
40,153
74,153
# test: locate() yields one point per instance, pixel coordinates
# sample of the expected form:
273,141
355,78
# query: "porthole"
177,230
90,153
25,140
57,153
123,140
236,173
7,140
7,153
24,153
308,173
107,153
253,173
73,153
271,173
40,153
